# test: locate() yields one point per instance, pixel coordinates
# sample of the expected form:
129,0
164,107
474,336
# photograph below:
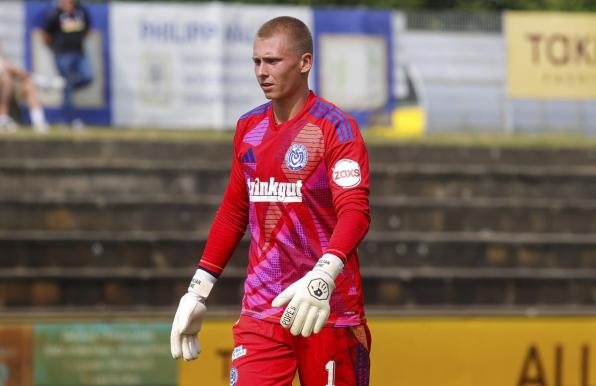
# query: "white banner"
186,65
12,26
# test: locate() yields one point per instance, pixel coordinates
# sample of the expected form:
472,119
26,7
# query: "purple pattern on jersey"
320,198
255,136
302,239
284,237
262,281
253,223
320,231
318,181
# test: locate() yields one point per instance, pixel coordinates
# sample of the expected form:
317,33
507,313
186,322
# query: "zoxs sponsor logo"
346,173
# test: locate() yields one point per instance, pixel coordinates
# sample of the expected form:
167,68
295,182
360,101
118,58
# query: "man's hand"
308,298
189,317
186,326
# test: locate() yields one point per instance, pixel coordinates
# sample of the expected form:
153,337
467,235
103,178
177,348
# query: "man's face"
67,5
279,69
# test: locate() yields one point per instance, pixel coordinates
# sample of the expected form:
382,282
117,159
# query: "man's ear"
305,63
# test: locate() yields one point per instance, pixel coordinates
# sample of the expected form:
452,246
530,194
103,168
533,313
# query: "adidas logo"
249,156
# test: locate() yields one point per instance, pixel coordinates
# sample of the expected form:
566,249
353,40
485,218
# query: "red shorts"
266,354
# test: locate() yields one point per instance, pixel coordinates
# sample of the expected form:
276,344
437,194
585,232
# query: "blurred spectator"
6,90
16,82
64,31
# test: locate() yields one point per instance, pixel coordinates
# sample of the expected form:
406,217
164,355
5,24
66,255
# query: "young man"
64,31
300,178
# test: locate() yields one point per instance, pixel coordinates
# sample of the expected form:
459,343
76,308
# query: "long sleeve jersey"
302,187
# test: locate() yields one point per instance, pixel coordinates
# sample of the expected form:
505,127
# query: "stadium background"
479,267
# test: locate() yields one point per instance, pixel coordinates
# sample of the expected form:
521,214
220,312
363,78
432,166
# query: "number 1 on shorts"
330,367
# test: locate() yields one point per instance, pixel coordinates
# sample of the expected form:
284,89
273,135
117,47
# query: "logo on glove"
318,289
288,316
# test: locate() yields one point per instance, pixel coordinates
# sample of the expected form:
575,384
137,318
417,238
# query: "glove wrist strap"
330,264
202,283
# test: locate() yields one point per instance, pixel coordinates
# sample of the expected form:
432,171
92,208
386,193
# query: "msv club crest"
296,157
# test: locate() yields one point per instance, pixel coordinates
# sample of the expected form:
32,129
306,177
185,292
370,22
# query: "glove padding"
308,308
187,324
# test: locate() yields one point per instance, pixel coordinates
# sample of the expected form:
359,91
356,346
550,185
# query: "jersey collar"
307,106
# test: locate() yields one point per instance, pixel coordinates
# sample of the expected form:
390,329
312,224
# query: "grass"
488,139
124,134
470,139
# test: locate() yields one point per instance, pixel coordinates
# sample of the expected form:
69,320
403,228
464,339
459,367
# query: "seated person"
16,80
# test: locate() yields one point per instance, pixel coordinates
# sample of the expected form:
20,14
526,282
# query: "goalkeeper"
300,181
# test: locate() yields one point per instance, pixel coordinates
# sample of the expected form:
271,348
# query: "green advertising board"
106,354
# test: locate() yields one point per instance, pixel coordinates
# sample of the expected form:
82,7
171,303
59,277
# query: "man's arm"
225,234
47,38
87,17
348,173
50,27
230,221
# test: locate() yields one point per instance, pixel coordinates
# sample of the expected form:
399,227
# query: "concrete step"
148,290
508,215
195,213
108,178
165,213
218,150
136,149
76,249
474,181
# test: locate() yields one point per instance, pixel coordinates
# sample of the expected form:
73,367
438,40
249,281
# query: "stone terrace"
100,224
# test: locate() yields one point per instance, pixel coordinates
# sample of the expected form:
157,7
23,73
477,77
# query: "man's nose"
261,70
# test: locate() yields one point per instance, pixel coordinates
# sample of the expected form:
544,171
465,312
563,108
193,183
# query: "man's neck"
287,108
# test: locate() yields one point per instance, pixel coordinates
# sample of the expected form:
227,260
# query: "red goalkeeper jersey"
302,186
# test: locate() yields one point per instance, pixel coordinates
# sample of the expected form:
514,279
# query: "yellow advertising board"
447,352
551,55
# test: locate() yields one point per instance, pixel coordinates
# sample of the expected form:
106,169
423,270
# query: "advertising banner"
87,354
15,355
186,66
551,55
12,26
93,101
446,351
472,351
484,351
355,61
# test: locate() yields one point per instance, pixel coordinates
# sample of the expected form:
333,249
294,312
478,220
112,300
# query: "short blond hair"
295,29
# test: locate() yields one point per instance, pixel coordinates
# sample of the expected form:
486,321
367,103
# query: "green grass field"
549,140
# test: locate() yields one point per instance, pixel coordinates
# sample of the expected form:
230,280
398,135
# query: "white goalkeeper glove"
309,297
189,317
